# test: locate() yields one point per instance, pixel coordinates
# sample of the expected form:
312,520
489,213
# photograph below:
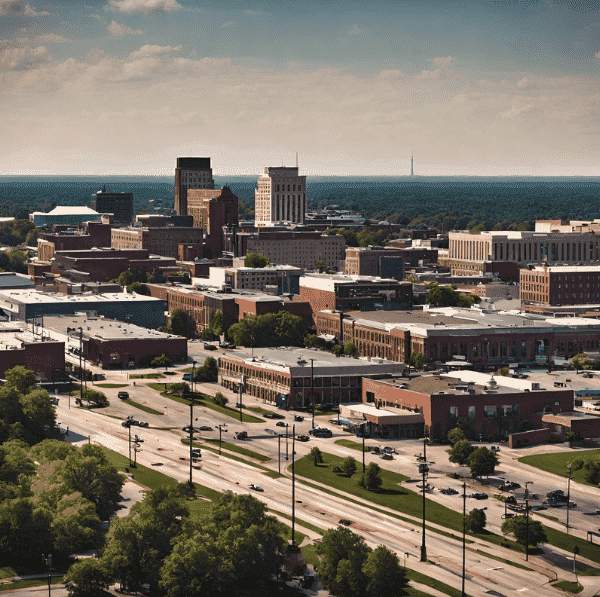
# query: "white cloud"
95,16
144,6
22,58
443,60
523,82
117,30
19,8
389,74
47,38
228,24
150,51
355,30
437,73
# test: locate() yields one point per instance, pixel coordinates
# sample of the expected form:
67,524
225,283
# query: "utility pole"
192,431
279,451
48,561
287,425
527,519
293,485
424,469
464,551
569,477
312,391
129,428
241,391
364,429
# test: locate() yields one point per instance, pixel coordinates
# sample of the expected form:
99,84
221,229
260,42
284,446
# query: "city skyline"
487,88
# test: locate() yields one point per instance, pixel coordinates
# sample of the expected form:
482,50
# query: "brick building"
486,339
494,408
158,241
299,248
285,376
191,173
212,210
354,293
560,285
473,253
118,204
18,346
92,234
114,344
366,261
163,220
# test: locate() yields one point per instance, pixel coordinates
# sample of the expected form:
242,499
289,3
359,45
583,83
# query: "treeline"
17,232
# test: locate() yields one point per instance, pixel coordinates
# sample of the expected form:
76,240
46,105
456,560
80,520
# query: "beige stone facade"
280,196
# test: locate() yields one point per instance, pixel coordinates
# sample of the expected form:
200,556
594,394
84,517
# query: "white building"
70,215
280,196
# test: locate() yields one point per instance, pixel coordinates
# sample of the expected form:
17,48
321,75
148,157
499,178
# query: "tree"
460,452
20,378
337,350
384,574
87,578
180,324
215,323
15,462
126,278
581,361
209,372
482,462
138,288
320,265
162,361
441,296
343,555
178,388
94,396
416,360
75,525
89,472
518,527
348,466
256,260
591,471
456,435
350,349
220,399
475,521
273,329
372,480
316,455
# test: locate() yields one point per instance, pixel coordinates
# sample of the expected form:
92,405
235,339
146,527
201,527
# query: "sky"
480,87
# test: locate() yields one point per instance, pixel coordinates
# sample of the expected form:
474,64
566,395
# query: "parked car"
280,424
390,450
206,428
240,435
298,418
54,401
209,346
508,515
225,345
320,432
538,508
255,487
448,491
495,448
553,503
143,423
554,493
302,438
123,395
479,496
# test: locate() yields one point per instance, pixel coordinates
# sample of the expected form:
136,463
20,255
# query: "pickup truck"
240,435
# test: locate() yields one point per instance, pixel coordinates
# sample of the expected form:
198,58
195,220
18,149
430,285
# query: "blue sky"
125,86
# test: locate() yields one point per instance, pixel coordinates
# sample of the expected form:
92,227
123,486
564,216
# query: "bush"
475,521
98,398
178,388
577,464
220,399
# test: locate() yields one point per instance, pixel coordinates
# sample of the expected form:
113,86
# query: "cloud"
117,30
23,58
150,51
389,75
18,8
355,30
228,24
47,38
597,55
443,60
144,6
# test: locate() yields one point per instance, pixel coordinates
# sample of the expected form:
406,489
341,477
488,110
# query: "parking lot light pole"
424,469
48,561
569,476
364,428
293,486
221,428
279,451
287,425
527,519
464,551
129,428
191,426
312,391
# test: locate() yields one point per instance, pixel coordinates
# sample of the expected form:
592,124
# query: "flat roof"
566,269
32,297
102,328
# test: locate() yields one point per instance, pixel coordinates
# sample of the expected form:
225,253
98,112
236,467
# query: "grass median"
348,443
143,407
207,402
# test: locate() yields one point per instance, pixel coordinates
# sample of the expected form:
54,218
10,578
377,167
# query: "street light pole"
287,425
48,561
568,493
279,451
424,469
464,551
364,428
129,428
221,428
527,519
312,391
293,485
191,428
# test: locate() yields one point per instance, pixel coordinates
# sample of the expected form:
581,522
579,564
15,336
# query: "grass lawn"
570,587
264,411
111,385
310,554
584,570
143,407
7,572
240,450
325,413
590,551
147,376
348,443
556,463
306,525
33,582
224,454
206,401
432,582
273,474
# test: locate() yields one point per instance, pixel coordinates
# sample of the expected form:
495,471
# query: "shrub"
577,463
220,399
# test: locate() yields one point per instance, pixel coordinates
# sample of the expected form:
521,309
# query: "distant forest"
486,205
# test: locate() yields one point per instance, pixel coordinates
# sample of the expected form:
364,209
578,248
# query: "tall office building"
118,204
191,173
280,196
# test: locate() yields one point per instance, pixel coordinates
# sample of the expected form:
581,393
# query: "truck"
240,435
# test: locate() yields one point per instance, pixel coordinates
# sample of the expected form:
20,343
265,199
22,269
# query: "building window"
489,411
471,412
454,412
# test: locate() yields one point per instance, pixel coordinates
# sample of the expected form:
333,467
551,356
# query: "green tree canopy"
209,372
350,349
180,324
460,452
372,480
138,288
316,455
87,578
416,360
161,361
475,521
518,527
482,462
456,435
256,260
273,329
385,576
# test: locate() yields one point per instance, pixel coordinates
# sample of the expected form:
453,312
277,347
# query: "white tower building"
280,196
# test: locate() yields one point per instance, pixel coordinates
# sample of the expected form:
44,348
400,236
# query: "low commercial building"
158,241
339,292
35,351
293,377
71,215
114,344
24,305
486,339
490,407
118,204
374,261
280,279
